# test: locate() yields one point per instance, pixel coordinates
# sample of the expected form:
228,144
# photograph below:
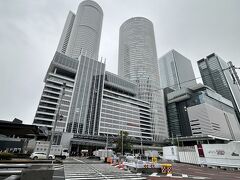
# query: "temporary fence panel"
188,157
170,153
223,155
187,154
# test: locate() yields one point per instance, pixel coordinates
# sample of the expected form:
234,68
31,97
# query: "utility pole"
107,142
177,140
107,145
56,119
122,141
141,149
172,140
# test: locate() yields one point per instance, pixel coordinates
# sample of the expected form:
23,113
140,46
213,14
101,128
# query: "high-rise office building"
84,113
199,110
81,35
94,100
61,70
63,43
219,75
176,71
122,110
82,31
105,104
138,62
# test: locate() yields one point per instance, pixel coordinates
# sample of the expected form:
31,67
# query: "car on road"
41,155
58,151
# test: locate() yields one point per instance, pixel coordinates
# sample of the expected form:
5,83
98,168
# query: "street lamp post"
122,140
56,119
177,140
141,149
107,144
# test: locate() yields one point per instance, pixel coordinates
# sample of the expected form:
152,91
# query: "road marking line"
92,168
154,174
199,177
205,173
96,172
79,178
58,177
195,169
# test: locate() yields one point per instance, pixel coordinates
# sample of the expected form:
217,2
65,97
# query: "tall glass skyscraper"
218,75
176,71
138,62
95,102
82,31
80,38
63,43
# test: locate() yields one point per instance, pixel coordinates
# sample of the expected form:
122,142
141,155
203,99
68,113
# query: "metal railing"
25,171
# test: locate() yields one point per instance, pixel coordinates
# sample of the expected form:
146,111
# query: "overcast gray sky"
30,31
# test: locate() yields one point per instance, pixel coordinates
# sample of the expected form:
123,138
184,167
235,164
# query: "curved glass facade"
138,63
86,30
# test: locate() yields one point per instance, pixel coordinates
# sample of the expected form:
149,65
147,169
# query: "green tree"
124,140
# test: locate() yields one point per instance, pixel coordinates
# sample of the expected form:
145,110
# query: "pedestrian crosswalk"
97,172
58,166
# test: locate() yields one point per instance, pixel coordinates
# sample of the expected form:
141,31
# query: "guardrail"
15,166
26,171
8,173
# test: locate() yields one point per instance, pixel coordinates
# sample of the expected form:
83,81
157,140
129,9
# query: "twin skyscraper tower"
82,31
97,102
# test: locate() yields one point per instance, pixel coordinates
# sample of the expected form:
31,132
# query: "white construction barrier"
218,155
222,155
171,153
